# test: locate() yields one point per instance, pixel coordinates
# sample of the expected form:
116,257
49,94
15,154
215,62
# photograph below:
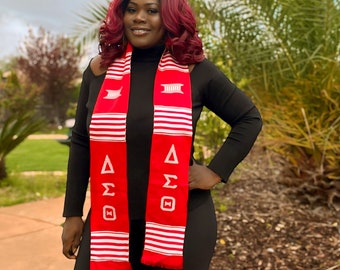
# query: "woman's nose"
140,16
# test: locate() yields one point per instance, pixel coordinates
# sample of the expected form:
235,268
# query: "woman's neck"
148,55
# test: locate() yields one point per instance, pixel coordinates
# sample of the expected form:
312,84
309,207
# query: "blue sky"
17,16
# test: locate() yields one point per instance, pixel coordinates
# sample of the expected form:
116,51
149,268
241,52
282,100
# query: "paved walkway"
46,136
30,236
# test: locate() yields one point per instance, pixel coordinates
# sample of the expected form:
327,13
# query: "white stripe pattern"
173,121
167,63
109,246
164,239
108,127
120,68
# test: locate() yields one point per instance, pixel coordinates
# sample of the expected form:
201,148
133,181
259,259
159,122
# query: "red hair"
181,35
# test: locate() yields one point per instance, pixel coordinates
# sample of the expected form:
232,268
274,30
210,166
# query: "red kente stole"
166,210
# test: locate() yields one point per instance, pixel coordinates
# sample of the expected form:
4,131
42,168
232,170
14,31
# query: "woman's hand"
72,232
201,177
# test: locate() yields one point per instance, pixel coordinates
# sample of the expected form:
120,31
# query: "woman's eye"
130,10
153,11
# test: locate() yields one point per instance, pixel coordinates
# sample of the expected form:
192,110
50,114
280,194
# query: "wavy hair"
181,35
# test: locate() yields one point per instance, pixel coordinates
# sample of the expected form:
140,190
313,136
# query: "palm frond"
16,129
86,29
280,37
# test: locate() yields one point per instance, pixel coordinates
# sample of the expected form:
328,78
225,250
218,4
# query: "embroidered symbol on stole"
113,94
171,158
173,88
107,166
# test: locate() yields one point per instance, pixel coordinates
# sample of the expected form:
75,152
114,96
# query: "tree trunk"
3,172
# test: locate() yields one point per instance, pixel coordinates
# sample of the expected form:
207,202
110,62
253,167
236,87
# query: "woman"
139,104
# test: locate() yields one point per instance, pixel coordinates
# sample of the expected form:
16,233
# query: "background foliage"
51,64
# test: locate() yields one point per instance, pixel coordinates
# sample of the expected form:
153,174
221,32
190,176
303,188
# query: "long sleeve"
218,94
79,159
237,145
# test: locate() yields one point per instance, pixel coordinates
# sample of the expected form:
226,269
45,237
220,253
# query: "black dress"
210,88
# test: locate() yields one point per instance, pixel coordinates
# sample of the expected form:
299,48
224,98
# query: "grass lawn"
38,155
47,159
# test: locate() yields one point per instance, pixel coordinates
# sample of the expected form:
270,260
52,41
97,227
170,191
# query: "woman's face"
143,25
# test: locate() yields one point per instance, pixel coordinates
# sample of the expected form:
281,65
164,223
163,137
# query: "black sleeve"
79,158
237,109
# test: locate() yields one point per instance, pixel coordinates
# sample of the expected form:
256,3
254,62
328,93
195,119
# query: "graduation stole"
166,209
